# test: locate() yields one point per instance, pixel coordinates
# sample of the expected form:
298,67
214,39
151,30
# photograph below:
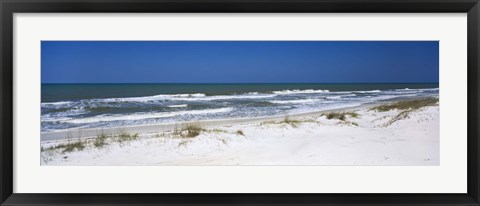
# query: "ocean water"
65,106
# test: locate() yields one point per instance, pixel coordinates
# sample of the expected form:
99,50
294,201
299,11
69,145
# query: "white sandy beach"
371,138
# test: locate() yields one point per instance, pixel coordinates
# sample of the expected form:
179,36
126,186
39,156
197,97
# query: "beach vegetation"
76,145
100,141
352,114
267,122
189,130
348,123
341,115
240,132
292,122
289,121
407,104
70,146
217,130
402,115
123,137
405,107
335,115
161,134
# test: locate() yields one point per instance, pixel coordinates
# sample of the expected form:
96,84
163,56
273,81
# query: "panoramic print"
234,103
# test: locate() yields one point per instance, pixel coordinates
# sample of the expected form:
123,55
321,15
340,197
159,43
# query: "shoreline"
46,137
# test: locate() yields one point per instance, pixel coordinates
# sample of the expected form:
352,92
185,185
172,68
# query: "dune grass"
123,137
190,130
286,120
341,115
70,146
100,141
289,121
292,122
402,115
348,123
193,130
216,130
240,132
407,105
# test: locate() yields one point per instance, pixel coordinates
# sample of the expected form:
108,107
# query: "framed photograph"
239,102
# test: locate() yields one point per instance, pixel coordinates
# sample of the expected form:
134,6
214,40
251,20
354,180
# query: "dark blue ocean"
67,106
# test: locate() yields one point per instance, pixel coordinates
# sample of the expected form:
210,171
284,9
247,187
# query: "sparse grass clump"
193,130
292,122
69,146
78,145
100,141
267,123
287,120
402,115
335,115
240,132
190,130
352,114
408,104
123,137
341,115
216,130
348,123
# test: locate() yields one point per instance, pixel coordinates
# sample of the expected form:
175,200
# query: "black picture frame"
9,7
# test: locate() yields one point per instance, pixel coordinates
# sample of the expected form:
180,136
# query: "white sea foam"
430,89
371,91
186,97
50,118
152,98
140,116
55,103
297,91
334,97
383,97
178,106
59,115
297,101
244,96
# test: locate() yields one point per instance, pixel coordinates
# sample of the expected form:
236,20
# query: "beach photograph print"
239,103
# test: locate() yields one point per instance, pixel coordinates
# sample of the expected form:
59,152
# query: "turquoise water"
111,105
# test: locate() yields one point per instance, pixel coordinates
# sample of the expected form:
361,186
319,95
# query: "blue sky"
240,61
